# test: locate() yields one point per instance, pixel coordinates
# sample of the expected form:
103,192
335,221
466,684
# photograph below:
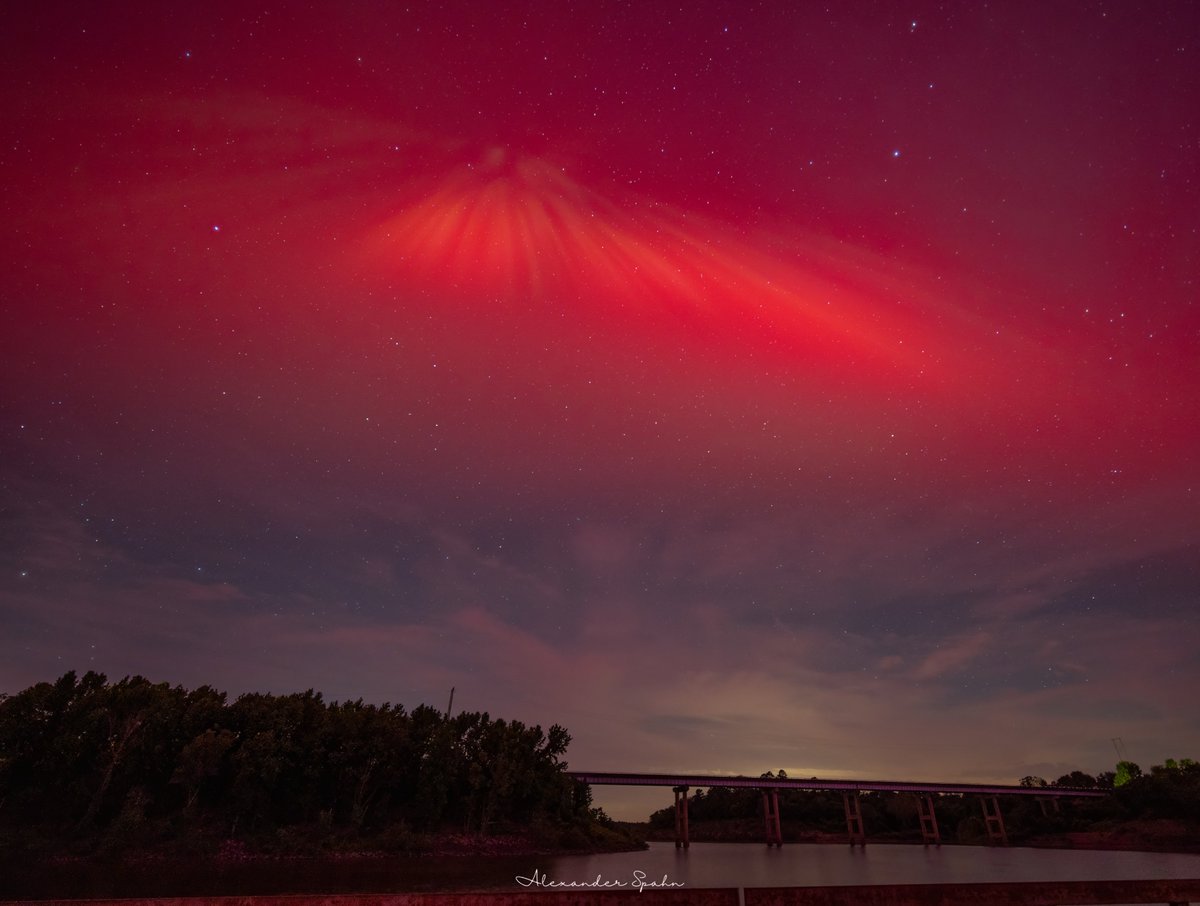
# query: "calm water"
754,865
704,865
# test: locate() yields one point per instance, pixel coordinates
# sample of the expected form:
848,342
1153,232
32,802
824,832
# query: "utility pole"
1119,745
450,707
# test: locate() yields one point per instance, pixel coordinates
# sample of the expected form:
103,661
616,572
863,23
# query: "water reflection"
704,865
753,865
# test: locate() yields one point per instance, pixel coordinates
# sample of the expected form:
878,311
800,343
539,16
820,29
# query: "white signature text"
638,882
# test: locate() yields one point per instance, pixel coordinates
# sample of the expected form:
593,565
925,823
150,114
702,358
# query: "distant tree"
43,748
201,760
366,751
1164,792
1126,771
1076,780
130,723
1172,764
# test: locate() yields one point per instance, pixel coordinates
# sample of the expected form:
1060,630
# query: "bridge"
989,797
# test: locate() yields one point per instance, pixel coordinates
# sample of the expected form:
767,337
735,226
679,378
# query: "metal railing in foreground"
1023,893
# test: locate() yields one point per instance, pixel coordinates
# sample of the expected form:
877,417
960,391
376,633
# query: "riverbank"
313,842
443,862
1145,835
297,861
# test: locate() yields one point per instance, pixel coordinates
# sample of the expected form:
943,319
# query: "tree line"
86,760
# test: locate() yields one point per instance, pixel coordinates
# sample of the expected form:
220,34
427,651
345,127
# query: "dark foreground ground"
1035,893
431,863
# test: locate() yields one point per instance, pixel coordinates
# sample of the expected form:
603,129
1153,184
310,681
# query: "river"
704,865
802,865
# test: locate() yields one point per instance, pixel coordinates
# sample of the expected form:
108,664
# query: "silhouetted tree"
94,758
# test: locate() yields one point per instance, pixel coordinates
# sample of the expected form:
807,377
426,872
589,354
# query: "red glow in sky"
733,388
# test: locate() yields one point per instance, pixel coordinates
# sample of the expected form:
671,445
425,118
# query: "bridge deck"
814,783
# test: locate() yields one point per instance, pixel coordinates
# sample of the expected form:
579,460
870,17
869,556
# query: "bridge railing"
610,778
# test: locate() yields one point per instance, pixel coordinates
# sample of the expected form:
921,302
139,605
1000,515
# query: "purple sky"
747,387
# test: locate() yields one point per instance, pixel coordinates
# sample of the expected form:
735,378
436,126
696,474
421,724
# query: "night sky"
742,386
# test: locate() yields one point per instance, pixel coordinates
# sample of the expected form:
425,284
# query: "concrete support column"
854,822
681,818
993,820
771,817
1049,805
929,825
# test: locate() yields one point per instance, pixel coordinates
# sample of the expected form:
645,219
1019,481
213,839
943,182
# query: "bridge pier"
993,820
854,822
929,825
681,818
771,815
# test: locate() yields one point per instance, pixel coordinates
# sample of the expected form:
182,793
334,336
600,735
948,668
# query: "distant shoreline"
231,852
151,874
